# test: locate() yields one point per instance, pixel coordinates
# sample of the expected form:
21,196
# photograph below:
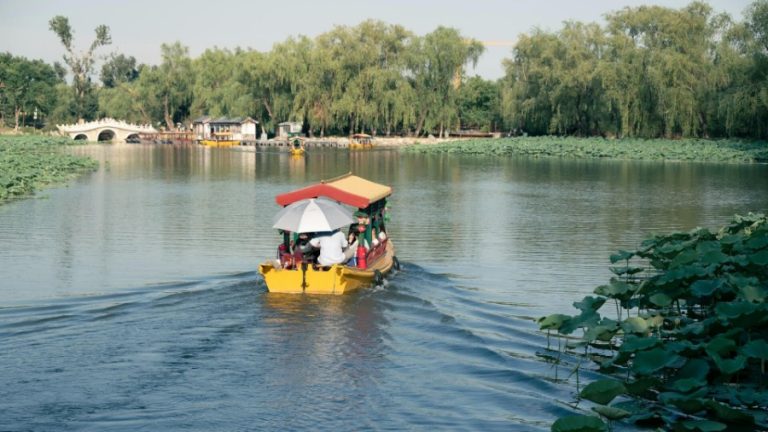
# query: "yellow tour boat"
291,273
297,146
220,139
360,141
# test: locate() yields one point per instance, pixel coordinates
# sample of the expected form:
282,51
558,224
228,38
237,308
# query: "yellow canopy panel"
359,186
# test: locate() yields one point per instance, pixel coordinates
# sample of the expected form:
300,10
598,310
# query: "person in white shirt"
331,246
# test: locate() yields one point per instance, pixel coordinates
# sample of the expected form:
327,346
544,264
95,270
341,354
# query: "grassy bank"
592,148
28,163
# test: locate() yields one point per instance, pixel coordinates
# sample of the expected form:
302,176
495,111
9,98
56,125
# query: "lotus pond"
695,150
28,163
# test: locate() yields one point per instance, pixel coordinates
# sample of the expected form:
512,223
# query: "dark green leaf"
728,414
648,362
603,391
552,322
756,349
579,423
621,255
703,425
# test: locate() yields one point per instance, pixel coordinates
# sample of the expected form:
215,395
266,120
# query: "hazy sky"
138,27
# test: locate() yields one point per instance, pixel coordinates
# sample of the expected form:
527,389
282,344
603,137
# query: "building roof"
224,120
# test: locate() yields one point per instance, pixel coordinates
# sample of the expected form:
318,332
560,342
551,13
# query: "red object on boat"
361,262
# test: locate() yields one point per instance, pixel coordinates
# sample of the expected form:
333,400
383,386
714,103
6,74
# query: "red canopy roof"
349,189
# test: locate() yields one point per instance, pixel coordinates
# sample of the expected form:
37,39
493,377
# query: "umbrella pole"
303,276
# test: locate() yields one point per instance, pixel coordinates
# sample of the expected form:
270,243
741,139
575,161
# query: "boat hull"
219,143
338,279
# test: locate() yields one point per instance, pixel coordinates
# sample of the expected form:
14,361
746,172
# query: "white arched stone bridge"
106,129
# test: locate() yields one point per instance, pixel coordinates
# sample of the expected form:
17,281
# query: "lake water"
129,298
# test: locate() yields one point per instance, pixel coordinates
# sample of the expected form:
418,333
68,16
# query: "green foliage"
650,72
27,87
692,346
590,148
28,163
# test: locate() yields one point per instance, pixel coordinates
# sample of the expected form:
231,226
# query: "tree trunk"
420,123
168,120
17,113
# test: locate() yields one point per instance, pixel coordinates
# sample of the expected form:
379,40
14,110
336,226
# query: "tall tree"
174,83
27,89
118,69
434,61
81,64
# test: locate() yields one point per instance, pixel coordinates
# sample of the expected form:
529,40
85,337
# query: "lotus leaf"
642,385
733,310
621,255
603,332
648,362
683,258
758,241
688,403
731,239
703,425
730,366
760,258
756,349
661,299
586,319
579,423
553,322
720,346
726,413
611,413
633,343
687,385
694,368
752,293
589,304
634,325
626,270
603,391
706,287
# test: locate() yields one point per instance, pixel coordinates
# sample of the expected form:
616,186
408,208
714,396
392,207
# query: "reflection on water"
128,299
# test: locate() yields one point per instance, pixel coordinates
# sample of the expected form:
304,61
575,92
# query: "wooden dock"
283,144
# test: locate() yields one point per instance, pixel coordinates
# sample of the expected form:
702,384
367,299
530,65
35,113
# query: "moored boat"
220,139
292,272
360,141
297,146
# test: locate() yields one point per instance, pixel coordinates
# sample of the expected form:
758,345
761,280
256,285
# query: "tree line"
648,72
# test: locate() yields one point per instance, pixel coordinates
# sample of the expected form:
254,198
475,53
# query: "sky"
139,27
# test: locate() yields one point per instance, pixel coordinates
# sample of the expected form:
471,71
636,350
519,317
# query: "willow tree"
672,48
218,89
172,82
526,100
81,64
434,61
274,79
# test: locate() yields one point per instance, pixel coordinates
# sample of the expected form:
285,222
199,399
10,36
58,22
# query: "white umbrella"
312,215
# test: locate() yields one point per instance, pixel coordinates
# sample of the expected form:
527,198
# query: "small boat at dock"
360,141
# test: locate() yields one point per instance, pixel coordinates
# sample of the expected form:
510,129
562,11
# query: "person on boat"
302,250
332,246
357,232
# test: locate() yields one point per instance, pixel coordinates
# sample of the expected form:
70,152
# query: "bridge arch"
106,135
81,137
